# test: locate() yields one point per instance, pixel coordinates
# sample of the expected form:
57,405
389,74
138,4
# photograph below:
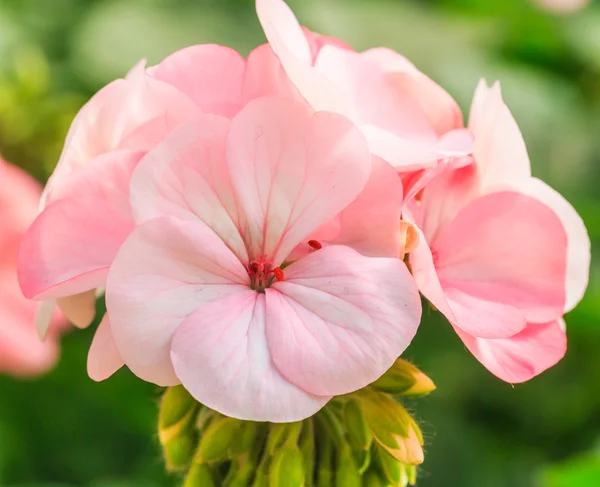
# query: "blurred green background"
65,430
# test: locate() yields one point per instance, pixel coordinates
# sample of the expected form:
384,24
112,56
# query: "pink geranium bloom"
21,352
503,255
203,291
408,120
85,216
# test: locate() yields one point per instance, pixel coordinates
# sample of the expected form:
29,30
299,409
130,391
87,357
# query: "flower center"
262,273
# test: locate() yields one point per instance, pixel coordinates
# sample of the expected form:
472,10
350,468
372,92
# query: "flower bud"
392,427
307,448
392,469
239,474
176,427
347,474
373,478
358,432
247,439
326,457
287,468
200,475
404,378
217,439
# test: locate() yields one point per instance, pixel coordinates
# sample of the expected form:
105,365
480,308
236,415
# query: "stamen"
278,273
315,244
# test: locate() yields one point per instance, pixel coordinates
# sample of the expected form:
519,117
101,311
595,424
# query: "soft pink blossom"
85,213
408,120
21,352
203,291
503,255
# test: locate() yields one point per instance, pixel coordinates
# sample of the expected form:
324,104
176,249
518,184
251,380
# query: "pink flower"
408,120
503,255
67,252
203,291
21,352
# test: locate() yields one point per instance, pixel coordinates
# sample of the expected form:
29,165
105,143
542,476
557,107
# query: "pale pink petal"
79,309
423,269
277,19
578,256
499,149
265,76
71,244
133,113
291,46
339,320
442,111
43,317
485,317
444,196
404,154
209,74
523,356
165,270
220,354
480,96
377,101
103,358
370,224
292,171
187,176
319,41
506,248
457,143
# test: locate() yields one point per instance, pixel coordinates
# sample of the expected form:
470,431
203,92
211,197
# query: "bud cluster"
366,438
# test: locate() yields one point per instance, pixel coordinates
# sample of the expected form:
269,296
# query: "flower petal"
292,171
507,248
498,147
71,244
209,74
523,356
133,113
79,309
165,270
370,223
291,46
187,176
578,256
221,356
104,358
339,320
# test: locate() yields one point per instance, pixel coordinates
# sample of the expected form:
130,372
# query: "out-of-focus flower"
503,255
561,6
408,120
203,291
21,352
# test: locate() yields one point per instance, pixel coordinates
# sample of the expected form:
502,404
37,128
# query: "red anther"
315,244
278,273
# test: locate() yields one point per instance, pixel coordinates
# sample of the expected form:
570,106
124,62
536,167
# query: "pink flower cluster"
249,221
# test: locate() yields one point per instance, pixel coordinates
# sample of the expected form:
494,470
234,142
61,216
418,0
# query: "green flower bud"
357,430
406,379
392,469
200,475
175,405
287,468
326,452
217,439
392,427
307,448
247,440
240,474
347,474
176,427
373,478
278,434
329,420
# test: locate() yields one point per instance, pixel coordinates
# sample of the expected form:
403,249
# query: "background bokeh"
65,430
